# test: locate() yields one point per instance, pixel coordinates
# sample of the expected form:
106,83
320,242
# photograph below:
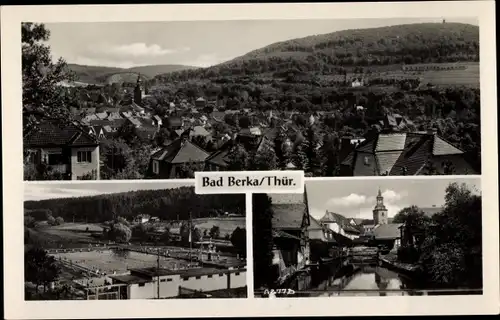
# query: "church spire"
379,192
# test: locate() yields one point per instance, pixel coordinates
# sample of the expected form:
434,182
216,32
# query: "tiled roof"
387,231
442,147
102,115
390,142
288,215
387,160
51,133
199,131
283,234
180,151
315,224
395,151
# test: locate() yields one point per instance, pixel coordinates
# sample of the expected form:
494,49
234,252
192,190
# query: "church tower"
380,211
138,91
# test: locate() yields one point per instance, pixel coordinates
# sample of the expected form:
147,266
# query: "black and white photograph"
375,237
110,241
332,97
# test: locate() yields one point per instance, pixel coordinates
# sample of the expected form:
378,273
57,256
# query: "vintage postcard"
356,141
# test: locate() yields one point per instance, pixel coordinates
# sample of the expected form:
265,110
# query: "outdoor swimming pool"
111,261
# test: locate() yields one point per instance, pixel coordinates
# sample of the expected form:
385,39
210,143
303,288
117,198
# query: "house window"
162,280
210,276
221,274
198,277
185,278
156,167
236,273
54,159
84,156
366,161
169,280
142,284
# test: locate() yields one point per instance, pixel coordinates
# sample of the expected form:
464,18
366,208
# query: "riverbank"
390,262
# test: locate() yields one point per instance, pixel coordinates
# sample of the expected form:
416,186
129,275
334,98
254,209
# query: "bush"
51,220
120,233
59,221
408,254
29,221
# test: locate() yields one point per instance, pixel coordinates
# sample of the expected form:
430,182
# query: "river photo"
391,237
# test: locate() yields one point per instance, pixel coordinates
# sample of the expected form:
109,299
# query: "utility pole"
158,272
190,238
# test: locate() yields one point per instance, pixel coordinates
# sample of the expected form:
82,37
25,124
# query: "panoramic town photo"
376,237
161,100
110,241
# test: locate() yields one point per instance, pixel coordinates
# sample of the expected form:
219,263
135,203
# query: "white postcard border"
17,308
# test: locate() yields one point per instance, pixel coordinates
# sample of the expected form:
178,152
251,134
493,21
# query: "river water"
364,280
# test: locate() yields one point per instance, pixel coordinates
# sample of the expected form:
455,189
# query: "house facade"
411,153
179,159
291,251
65,148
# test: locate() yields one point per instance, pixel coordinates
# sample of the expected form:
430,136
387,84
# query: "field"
226,225
455,77
65,235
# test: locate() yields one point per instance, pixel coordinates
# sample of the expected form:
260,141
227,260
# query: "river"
363,280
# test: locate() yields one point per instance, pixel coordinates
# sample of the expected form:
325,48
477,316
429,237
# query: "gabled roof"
288,215
387,231
283,234
199,131
394,151
181,151
52,133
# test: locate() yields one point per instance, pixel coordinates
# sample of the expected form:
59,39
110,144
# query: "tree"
264,159
59,221
120,233
41,75
238,239
29,221
166,236
40,268
263,239
140,231
415,223
51,221
215,232
238,158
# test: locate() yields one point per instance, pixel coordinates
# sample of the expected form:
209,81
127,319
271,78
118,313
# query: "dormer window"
366,161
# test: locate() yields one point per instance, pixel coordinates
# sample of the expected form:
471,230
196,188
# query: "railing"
422,291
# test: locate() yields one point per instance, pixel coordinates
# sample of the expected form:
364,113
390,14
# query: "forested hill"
165,204
101,75
401,44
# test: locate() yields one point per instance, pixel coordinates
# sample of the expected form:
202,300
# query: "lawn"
226,225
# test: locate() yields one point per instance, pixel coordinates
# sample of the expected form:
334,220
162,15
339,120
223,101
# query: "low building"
67,148
143,283
174,160
415,153
339,224
388,235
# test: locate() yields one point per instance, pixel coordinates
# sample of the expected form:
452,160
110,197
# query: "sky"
193,43
52,190
356,198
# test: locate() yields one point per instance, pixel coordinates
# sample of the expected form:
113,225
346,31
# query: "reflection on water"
365,281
